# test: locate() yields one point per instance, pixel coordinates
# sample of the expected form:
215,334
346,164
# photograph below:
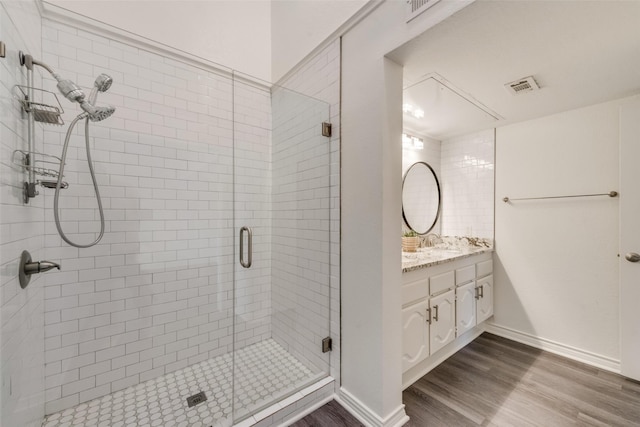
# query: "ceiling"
579,52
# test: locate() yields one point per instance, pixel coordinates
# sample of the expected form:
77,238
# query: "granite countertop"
451,249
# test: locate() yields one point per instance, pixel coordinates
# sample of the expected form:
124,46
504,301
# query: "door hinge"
326,129
326,345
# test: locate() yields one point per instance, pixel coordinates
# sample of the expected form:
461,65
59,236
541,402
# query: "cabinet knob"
632,257
435,316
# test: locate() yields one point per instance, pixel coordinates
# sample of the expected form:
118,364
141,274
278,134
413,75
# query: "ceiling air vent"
416,7
526,84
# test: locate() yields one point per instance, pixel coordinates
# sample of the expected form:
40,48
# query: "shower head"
97,114
74,93
102,84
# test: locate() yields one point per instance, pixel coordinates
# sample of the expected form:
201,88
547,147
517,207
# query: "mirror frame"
435,177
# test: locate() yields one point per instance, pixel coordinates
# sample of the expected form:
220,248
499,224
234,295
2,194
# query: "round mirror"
420,198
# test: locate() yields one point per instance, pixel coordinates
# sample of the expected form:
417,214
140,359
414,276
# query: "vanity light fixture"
412,142
416,112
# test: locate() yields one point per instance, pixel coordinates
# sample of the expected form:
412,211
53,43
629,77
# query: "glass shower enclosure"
282,267
208,298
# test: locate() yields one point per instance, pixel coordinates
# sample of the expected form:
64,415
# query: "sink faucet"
432,239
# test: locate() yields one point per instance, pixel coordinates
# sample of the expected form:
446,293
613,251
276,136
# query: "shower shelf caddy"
44,108
41,164
44,112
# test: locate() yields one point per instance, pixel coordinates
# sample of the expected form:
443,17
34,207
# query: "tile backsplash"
467,164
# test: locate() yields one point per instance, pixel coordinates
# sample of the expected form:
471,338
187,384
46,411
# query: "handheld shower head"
97,114
73,93
102,84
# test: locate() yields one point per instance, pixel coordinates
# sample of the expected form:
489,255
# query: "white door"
630,239
465,308
415,334
443,320
485,300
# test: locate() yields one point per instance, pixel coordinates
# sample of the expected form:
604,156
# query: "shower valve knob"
28,267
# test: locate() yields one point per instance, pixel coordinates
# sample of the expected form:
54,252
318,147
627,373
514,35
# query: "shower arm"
28,61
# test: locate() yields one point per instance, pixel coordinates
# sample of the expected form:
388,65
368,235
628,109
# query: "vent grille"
416,7
527,84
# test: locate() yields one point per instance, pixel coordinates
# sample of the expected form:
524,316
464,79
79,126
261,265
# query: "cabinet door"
485,302
443,320
415,334
465,308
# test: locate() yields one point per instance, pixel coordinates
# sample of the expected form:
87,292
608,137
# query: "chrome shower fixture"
102,84
74,93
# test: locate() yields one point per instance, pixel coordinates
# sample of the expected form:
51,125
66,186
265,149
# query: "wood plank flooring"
330,415
497,382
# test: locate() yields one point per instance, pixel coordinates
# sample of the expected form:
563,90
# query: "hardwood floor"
329,415
497,382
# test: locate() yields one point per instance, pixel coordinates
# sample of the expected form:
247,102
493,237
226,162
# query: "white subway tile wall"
21,228
156,295
467,164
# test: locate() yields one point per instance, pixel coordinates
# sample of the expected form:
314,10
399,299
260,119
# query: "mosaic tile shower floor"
265,372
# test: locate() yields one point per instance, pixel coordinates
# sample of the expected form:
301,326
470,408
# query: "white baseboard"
593,359
366,416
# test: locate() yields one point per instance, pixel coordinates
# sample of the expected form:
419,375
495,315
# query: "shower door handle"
246,264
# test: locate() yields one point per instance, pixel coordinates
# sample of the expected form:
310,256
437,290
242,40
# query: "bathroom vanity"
446,296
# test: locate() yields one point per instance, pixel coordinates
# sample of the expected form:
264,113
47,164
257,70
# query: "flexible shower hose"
56,197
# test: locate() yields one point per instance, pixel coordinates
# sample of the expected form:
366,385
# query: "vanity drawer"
484,268
415,291
465,275
441,282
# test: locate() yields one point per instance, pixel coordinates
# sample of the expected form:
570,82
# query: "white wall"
233,33
556,263
21,228
261,38
372,184
297,27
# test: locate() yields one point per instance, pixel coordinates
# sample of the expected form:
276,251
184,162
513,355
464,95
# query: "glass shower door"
281,215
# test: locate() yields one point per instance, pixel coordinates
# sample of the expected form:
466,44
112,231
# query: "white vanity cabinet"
443,302
427,326
415,333
484,291
442,329
465,308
